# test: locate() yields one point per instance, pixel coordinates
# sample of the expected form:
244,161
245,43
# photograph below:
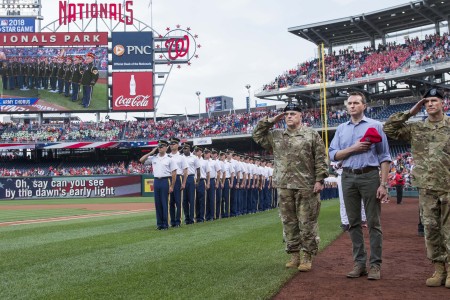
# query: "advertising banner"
54,39
132,50
148,188
132,91
10,25
202,141
213,104
69,187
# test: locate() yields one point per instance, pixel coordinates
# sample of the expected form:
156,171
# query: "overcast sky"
243,42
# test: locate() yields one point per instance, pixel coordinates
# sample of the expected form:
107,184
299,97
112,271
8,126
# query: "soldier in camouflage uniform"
68,76
299,173
88,79
430,144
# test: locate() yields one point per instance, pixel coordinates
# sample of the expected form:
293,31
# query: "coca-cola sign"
137,101
132,91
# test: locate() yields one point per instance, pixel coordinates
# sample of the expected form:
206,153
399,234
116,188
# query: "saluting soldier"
76,76
164,172
88,79
68,76
301,168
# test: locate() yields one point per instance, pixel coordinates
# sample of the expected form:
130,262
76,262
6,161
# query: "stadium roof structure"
375,25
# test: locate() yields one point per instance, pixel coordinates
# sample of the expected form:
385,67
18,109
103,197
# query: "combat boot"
305,262
447,282
295,260
439,275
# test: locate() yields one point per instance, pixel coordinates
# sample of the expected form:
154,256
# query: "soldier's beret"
162,143
292,107
433,92
91,55
79,57
206,150
213,150
186,145
229,151
222,153
197,148
174,140
69,58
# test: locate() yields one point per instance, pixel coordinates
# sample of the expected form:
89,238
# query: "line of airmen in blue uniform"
62,73
207,184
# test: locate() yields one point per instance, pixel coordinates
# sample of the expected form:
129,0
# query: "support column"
448,24
438,29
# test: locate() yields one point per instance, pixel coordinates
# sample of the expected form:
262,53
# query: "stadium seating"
348,65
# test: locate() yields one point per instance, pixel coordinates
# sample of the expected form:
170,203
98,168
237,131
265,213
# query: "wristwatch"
385,185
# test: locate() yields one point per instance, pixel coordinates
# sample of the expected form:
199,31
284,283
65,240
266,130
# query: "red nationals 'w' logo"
177,47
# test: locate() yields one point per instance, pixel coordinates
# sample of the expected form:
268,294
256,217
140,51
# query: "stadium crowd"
348,65
221,124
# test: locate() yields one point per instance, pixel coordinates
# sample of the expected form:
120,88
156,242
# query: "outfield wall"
105,186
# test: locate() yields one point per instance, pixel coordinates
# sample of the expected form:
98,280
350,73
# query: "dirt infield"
110,209
403,274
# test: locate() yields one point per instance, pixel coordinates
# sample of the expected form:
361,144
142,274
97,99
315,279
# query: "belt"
190,175
359,171
166,177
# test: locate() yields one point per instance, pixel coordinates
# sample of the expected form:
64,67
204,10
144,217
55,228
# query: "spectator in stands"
399,182
431,149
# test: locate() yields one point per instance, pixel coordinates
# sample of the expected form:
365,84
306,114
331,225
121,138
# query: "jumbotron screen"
54,72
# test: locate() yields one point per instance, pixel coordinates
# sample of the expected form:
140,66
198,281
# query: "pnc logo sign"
120,50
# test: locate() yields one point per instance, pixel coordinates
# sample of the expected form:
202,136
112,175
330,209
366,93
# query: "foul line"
59,219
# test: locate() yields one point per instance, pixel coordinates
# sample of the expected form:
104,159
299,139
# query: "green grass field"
99,98
124,257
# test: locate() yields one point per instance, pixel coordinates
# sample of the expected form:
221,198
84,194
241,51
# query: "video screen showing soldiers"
58,79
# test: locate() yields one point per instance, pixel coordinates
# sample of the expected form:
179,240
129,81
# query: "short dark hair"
363,97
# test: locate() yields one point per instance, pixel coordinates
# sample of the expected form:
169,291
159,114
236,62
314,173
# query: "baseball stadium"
81,207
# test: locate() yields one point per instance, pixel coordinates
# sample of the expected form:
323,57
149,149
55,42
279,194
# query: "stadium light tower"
248,86
198,96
